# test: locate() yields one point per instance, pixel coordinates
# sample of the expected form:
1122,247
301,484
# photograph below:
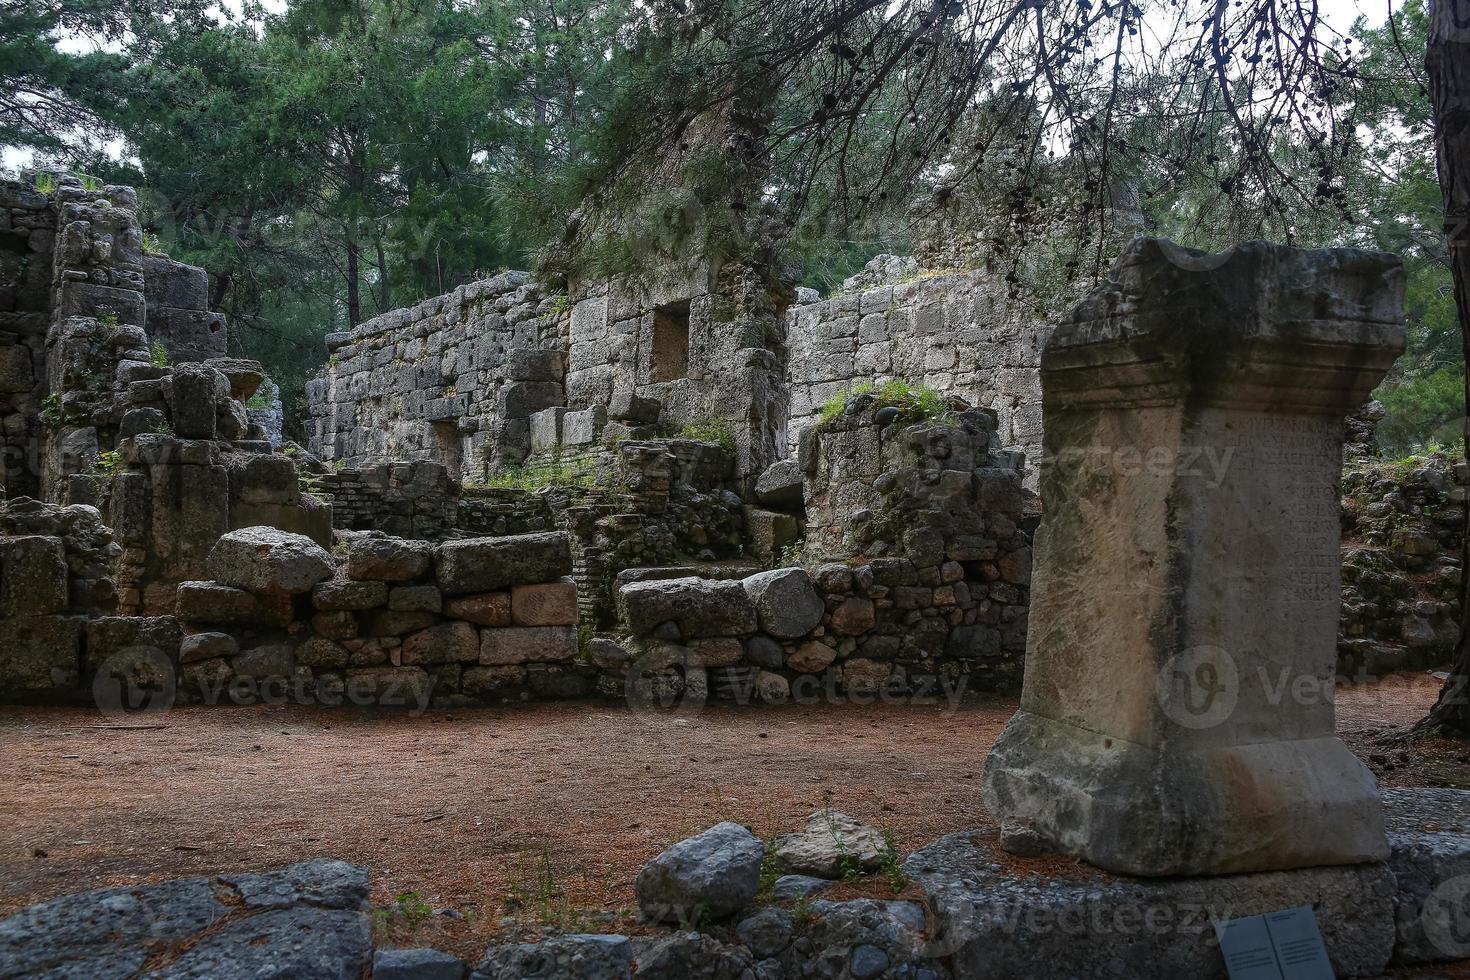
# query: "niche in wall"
670,360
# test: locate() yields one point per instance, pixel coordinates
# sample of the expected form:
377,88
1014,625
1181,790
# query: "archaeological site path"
475,810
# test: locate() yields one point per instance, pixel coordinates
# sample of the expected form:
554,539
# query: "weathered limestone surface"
307,920
454,379
1177,714
954,332
996,923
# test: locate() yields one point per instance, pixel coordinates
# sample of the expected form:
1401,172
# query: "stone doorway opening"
449,447
670,357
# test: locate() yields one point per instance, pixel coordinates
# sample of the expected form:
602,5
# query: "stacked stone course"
454,379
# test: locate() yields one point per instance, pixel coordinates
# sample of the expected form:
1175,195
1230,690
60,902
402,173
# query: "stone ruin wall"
952,332
454,379
462,378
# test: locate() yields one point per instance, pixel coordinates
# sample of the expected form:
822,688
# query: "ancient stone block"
207,602
527,644
263,559
481,681
490,564
533,364
174,284
194,398
39,653
490,609
1148,740
107,303
33,576
206,646
16,373
520,399
341,594
698,607
786,603
546,429
107,636
387,559
584,427
545,604
444,643
415,598
189,336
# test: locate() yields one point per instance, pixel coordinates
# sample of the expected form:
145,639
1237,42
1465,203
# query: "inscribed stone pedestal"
1177,714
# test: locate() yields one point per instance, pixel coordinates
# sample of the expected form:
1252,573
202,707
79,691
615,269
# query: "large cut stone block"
174,284
188,335
490,564
1177,713
696,606
39,654
32,576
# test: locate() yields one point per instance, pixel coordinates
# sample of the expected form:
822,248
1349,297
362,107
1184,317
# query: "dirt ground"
473,822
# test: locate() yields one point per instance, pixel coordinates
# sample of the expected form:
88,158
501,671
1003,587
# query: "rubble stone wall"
1403,523
27,242
454,379
952,332
703,344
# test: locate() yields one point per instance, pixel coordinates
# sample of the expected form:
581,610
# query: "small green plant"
264,396
51,409
709,430
801,913
555,472
90,183
405,916
562,305
915,402
152,244
158,355
164,429
108,462
46,183
770,871
108,319
891,864
534,888
788,556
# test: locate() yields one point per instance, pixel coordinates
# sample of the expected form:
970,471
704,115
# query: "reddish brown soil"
544,812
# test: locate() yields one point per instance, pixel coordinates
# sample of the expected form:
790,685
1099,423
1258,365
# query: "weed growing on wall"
916,402
709,430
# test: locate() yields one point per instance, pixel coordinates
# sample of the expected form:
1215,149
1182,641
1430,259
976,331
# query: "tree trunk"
1447,59
354,280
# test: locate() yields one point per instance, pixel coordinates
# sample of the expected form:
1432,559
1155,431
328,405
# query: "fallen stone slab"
831,845
995,922
710,876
